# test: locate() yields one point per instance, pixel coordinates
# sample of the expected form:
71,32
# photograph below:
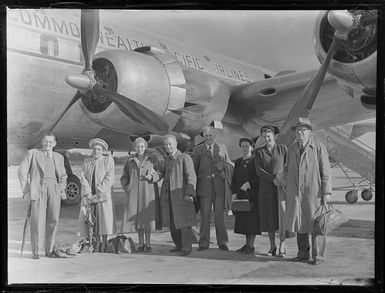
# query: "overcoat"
142,200
104,180
208,169
31,173
307,178
179,179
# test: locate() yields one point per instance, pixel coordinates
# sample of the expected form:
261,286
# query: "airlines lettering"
108,38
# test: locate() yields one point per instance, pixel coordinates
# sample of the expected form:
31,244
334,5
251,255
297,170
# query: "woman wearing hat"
245,186
270,160
142,203
97,178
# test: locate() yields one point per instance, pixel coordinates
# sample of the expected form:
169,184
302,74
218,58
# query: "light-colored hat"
302,121
99,141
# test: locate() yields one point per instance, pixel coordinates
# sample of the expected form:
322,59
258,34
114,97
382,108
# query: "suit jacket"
208,169
31,173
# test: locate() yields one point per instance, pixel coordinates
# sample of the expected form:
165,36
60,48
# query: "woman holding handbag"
97,213
142,208
245,186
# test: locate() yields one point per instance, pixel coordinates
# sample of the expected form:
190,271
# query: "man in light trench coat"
308,183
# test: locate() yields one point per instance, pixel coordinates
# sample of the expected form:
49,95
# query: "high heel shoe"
272,252
282,253
140,248
147,248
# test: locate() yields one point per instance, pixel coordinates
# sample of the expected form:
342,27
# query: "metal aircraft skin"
187,88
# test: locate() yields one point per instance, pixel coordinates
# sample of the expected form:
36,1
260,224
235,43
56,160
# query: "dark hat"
242,139
271,127
302,121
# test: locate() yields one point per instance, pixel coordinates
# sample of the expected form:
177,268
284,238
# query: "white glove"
246,186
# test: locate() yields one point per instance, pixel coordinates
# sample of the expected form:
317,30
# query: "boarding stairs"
351,152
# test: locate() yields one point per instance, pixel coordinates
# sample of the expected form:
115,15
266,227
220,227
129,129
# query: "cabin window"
49,45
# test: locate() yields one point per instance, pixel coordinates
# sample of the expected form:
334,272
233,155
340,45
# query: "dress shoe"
297,258
147,248
175,249
272,251
242,248
35,256
200,248
315,261
140,248
224,247
185,253
248,250
55,254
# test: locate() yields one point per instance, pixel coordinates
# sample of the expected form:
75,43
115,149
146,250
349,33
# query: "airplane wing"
270,100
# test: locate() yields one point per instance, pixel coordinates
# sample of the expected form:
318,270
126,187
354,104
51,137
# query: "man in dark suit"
43,181
209,159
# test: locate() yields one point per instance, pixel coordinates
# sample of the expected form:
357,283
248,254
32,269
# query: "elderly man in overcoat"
210,158
308,184
177,195
43,181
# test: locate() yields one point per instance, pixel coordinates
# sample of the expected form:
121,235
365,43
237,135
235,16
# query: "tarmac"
349,260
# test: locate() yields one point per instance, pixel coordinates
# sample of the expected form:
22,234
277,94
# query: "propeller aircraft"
89,77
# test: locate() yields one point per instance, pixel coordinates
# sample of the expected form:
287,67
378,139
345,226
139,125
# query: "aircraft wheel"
367,194
351,196
73,190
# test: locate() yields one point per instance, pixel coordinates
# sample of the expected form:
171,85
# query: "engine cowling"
148,75
355,63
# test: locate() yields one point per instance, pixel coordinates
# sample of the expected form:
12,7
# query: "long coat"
179,179
246,222
267,165
307,178
104,180
208,169
141,206
31,173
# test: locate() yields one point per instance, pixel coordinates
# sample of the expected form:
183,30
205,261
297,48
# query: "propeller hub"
83,82
342,21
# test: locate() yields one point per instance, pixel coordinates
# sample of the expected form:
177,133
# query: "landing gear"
367,194
73,191
351,196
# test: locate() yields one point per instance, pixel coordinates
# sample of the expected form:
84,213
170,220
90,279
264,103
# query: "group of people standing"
284,185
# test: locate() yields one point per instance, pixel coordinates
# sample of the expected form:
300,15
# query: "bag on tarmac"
121,244
327,218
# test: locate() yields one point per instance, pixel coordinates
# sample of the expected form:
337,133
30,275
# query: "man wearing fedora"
308,184
43,180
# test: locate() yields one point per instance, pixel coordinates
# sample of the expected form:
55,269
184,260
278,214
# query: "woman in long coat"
245,186
141,207
270,160
97,177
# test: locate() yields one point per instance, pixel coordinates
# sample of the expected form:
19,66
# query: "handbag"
121,244
327,218
97,198
241,205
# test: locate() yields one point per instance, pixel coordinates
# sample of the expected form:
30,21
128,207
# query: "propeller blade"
89,27
50,124
136,112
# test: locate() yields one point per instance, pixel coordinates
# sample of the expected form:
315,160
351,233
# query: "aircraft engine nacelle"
354,65
148,75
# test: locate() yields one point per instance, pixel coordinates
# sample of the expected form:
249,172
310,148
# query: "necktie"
210,148
48,154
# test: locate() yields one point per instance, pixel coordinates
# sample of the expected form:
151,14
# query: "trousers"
45,213
318,246
206,203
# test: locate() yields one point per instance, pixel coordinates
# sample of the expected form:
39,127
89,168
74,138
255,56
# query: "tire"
73,191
